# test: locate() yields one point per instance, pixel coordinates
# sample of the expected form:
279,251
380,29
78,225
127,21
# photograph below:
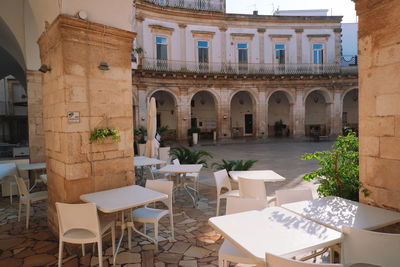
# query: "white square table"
121,199
335,212
184,169
141,161
274,230
265,175
33,167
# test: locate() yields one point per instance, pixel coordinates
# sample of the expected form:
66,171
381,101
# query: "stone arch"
318,110
254,96
350,109
203,112
215,95
167,114
280,108
152,92
243,112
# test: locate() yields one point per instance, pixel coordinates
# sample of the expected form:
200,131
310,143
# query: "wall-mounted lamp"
103,66
185,119
142,118
225,117
44,68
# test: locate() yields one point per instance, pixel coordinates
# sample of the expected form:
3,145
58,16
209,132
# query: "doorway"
248,123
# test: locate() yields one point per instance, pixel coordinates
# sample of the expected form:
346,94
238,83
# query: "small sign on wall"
74,117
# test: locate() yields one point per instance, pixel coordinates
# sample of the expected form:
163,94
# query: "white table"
265,175
335,212
274,230
142,162
32,167
184,169
121,199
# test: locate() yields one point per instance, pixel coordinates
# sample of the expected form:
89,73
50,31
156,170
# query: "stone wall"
379,64
74,49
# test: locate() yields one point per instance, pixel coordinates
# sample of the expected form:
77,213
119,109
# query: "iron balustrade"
243,69
198,5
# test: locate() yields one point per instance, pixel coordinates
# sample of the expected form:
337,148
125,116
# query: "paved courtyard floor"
196,243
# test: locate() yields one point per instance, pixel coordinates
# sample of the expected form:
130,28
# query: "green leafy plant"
165,134
140,135
338,173
234,165
188,156
193,130
101,134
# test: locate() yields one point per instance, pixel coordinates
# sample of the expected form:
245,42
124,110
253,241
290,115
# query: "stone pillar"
182,41
35,117
338,44
183,117
299,45
262,110
379,98
223,44
142,106
224,115
336,114
261,38
299,113
74,49
139,29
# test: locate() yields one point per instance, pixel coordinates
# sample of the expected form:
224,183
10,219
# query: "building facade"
243,75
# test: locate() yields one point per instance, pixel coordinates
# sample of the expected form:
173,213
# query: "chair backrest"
8,170
252,188
78,216
176,162
292,195
22,189
222,180
361,246
276,261
163,154
236,204
165,187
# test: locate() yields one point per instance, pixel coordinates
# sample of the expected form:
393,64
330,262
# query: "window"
280,53
162,48
242,53
202,51
318,53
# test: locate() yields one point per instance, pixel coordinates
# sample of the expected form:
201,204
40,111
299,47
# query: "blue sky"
337,7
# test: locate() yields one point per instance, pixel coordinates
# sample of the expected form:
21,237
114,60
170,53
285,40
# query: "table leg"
123,227
187,188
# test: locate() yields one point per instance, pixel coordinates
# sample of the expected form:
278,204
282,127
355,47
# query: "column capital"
261,30
139,18
298,30
223,29
182,25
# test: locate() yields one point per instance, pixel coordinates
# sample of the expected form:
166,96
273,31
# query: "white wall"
316,111
238,110
278,111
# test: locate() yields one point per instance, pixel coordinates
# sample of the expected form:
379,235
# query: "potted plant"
234,165
194,133
105,135
138,54
188,156
140,138
164,134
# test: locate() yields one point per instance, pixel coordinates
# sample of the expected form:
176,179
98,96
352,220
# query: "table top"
141,161
31,166
265,175
183,168
336,212
123,198
274,230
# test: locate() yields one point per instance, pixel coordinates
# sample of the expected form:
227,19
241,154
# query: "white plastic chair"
276,261
193,177
80,224
152,215
222,181
8,173
292,195
253,188
229,252
361,246
164,155
26,198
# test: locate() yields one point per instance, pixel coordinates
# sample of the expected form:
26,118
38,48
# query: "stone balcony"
196,5
246,69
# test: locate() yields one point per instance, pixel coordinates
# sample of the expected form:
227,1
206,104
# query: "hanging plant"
102,134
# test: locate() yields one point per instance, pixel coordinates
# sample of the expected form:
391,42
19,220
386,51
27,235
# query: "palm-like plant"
187,156
234,165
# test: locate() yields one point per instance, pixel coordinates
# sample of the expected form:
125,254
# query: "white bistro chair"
229,252
27,199
292,195
153,215
80,224
253,188
193,177
222,182
276,261
8,173
374,248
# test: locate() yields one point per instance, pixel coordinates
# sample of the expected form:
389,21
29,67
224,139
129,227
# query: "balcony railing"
243,69
198,5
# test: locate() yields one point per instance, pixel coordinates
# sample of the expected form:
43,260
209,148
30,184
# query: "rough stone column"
35,117
182,41
299,113
379,98
336,114
261,115
299,45
338,44
223,44
103,98
183,117
142,106
261,32
224,111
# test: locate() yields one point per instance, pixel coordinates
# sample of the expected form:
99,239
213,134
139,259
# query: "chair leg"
156,234
171,220
218,203
28,214
113,239
100,252
19,210
60,252
83,249
11,193
144,228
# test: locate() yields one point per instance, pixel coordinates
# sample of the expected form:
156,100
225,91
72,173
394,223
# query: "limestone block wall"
74,49
379,97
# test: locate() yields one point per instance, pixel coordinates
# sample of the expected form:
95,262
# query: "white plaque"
74,117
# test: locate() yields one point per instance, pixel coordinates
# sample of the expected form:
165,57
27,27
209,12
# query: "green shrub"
187,156
234,165
101,134
338,173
